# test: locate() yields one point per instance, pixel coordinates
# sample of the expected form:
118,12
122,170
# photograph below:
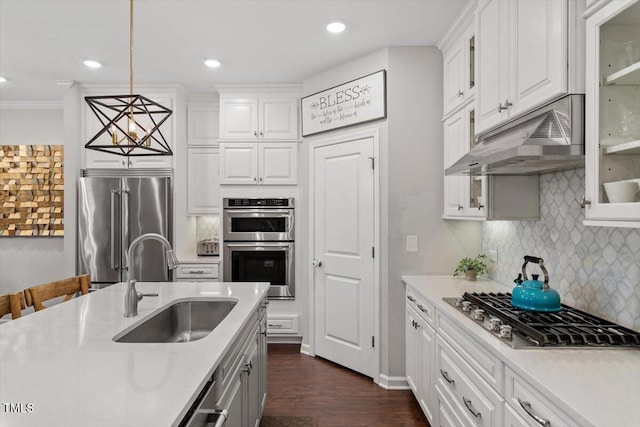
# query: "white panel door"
239,118
343,197
493,63
239,163
541,52
454,186
278,163
454,84
203,180
278,118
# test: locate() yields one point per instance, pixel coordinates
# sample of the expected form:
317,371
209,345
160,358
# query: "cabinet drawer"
475,400
423,308
531,404
485,364
447,416
282,324
197,271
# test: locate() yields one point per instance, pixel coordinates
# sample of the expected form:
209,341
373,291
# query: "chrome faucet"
132,296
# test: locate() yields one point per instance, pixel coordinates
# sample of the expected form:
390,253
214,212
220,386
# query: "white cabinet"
203,180
525,55
263,118
612,114
261,163
203,126
463,195
459,70
103,160
529,407
420,337
192,272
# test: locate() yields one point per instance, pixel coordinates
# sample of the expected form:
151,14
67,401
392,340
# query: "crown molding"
31,105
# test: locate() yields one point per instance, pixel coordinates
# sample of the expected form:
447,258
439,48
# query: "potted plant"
471,267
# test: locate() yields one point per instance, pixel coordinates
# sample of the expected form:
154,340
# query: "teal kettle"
534,295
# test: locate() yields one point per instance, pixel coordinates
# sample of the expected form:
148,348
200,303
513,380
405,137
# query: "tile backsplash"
207,227
596,269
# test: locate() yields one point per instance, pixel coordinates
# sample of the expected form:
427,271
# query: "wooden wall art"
32,197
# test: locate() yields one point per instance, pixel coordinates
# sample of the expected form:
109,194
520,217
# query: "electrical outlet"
493,255
412,243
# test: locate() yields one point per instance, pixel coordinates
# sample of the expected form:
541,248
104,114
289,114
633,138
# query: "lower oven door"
262,262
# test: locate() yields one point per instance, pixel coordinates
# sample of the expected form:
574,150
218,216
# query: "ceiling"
257,41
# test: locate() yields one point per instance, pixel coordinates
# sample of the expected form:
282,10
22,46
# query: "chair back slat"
12,303
36,295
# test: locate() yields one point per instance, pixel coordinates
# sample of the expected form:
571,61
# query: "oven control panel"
263,203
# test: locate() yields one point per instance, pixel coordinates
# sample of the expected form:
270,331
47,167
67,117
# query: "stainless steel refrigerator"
114,207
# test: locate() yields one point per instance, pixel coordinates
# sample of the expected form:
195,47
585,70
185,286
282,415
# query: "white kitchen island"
61,367
567,387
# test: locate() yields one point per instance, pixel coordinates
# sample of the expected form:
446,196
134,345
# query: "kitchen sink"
182,321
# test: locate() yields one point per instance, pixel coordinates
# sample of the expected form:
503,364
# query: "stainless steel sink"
183,321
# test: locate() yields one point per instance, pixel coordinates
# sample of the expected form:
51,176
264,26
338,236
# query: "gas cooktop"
567,328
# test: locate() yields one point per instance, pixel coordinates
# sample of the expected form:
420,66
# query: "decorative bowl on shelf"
622,191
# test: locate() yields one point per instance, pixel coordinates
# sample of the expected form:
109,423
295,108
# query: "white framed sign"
358,101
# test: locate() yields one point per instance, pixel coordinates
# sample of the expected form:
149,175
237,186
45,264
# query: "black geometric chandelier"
130,123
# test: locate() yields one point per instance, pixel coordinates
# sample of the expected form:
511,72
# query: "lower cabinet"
458,382
420,349
238,386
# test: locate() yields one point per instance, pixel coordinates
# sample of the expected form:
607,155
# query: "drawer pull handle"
467,403
422,309
445,375
527,408
195,272
248,367
410,298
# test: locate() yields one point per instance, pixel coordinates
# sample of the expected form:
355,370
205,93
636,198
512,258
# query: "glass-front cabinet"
612,175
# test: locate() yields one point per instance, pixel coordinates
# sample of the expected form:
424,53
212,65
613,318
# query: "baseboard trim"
283,339
306,349
393,383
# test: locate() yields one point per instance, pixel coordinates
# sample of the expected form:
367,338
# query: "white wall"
411,183
27,261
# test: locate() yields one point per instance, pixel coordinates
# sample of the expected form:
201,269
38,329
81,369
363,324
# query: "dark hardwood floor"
303,386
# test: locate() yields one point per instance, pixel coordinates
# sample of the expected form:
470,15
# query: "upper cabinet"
259,163
528,54
259,113
459,64
203,127
612,173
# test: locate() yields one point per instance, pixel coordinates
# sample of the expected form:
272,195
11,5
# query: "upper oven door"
258,225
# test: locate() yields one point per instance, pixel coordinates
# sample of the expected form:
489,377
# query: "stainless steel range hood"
546,139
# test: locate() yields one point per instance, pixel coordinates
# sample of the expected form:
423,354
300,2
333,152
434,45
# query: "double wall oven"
258,243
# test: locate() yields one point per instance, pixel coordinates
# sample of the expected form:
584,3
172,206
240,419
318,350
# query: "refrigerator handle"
114,193
125,229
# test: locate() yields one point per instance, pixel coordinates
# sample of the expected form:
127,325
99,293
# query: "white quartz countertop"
602,386
63,364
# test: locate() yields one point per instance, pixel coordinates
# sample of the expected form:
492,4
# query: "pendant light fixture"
130,123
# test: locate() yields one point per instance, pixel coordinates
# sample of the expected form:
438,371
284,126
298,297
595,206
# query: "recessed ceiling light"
3,79
212,63
336,27
91,63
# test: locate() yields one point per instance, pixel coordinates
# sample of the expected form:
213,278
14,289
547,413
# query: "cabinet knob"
460,93
255,179
261,134
255,133
460,207
501,108
260,179
480,206
584,202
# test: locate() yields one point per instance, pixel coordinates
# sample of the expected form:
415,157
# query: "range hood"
547,139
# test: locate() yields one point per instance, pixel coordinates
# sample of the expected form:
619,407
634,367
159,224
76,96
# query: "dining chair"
69,287
12,303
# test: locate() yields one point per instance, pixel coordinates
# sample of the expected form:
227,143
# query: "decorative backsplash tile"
32,196
207,227
596,269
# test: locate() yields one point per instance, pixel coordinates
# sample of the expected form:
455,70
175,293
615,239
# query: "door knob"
316,263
